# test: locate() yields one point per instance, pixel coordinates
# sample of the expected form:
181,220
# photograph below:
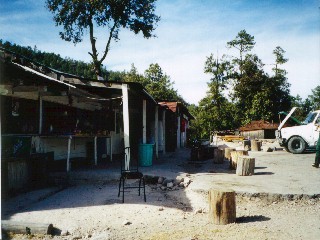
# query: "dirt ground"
94,211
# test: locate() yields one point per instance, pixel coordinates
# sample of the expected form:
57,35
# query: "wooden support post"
256,145
218,155
26,227
227,153
245,166
144,122
178,132
111,146
164,130
234,157
156,130
95,151
222,206
40,115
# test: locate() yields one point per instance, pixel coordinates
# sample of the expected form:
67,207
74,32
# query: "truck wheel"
296,145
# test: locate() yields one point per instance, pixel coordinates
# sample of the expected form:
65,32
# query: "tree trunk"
218,155
227,153
26,227
234,157
245,166
97,70
222,206
256,145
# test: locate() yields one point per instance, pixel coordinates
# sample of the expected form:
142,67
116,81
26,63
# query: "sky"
188,32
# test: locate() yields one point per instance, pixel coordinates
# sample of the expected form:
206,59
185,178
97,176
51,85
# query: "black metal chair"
130,170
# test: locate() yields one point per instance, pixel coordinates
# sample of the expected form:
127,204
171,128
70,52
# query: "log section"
245,166
227,153
256,145
218,155
222,206
234,157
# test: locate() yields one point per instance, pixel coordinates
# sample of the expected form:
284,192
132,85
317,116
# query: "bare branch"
94,54
109,41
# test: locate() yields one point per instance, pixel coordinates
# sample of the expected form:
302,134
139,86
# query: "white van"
297,138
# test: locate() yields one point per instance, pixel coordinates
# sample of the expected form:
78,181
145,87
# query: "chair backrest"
128,163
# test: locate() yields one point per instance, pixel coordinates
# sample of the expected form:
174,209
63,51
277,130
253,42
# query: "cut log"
245,166
227,153
234,157
256,145
26,227
218,155
222,206
247,145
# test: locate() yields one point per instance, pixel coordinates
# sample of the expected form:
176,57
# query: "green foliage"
315,98
159,84
258,95
303,107
252,93
244,42
54,61
279,54
156,82
78,17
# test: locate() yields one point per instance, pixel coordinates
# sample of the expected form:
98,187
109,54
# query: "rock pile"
167,184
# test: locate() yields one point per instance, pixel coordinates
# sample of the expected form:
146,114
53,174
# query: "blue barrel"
145,155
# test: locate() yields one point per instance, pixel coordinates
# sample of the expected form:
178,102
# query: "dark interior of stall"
24,168
171,131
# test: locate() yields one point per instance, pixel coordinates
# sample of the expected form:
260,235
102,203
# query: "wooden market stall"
64,119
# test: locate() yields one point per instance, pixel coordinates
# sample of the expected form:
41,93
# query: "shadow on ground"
254,218
100,187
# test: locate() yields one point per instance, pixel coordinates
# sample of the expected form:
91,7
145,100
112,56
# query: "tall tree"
159,84
244,42
280,59
78,16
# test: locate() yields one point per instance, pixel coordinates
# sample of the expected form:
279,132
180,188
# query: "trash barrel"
145,155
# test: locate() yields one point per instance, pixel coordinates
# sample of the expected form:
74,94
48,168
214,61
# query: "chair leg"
119,186
144,189
139,185
123,189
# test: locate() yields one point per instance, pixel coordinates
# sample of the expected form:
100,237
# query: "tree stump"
247,145
234,157
218,155
256,145
222,206
245,166
227,153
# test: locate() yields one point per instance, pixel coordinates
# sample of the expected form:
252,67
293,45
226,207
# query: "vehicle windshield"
310,118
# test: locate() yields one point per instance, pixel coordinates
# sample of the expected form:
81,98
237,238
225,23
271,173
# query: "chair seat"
131,175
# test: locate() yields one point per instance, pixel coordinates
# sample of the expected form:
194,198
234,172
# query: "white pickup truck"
297,138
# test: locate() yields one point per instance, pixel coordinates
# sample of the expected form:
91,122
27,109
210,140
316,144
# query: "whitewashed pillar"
69,153
125,108
144,122
156,130
164,130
